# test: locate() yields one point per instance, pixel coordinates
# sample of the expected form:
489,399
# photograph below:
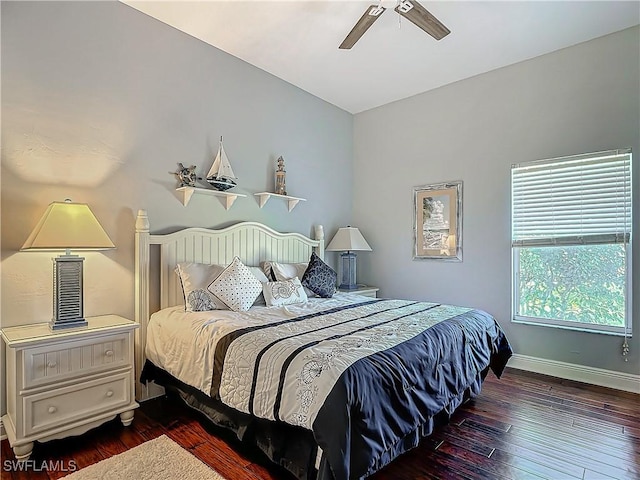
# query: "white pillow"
195,278
260,275
287,271
236,286
286,292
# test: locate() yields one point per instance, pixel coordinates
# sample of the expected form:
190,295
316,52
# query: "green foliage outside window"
574,283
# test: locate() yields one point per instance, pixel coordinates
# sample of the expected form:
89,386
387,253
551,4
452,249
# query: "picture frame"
437,221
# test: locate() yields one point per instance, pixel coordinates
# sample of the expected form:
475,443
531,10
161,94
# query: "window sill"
582,327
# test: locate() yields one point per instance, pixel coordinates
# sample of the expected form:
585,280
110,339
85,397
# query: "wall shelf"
226,198
263,198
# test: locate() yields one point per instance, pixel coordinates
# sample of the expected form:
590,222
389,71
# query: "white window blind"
584,199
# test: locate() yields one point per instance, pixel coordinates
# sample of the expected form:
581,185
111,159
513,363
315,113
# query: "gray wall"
100,102
581,99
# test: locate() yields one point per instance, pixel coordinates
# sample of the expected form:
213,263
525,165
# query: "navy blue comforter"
385,403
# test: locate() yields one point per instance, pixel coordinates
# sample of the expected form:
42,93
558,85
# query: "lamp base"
68,311
57,325
348,267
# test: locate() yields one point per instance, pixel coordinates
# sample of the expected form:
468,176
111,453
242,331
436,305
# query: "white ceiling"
298,40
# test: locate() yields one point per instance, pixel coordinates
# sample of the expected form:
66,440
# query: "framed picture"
437,222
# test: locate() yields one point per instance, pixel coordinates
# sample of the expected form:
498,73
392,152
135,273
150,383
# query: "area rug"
158,459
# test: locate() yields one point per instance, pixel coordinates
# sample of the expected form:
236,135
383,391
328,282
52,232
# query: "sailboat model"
221,176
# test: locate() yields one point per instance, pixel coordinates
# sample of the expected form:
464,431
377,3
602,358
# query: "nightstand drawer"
57,362
58,407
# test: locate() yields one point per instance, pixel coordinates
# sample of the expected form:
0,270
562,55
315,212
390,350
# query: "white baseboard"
3,434
579,373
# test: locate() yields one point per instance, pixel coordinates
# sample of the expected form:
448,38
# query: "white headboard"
251,241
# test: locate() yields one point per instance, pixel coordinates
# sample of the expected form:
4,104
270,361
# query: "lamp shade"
67,225
348,239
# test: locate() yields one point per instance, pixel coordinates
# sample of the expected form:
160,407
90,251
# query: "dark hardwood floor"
524,426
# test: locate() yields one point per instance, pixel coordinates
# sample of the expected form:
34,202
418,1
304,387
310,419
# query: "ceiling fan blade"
367,19
417,14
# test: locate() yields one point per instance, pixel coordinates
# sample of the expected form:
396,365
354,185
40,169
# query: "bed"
334,387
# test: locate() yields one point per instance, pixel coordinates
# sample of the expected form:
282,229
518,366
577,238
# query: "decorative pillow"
286,292
195,278
236,286
319,277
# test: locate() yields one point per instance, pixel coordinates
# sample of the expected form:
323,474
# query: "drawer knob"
110,393
52,364
52,409
109,353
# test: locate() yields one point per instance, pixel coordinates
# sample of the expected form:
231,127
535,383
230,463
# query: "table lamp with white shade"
348,240
68,226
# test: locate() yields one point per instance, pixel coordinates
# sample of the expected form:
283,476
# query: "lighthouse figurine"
281,183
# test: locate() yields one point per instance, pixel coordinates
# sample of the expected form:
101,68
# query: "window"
571,242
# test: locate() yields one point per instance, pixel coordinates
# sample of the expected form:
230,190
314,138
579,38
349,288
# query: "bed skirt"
292,448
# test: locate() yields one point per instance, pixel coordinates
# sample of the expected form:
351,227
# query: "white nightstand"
66,382
365,290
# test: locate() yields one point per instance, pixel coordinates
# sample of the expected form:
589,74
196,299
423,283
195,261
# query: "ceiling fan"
409,9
